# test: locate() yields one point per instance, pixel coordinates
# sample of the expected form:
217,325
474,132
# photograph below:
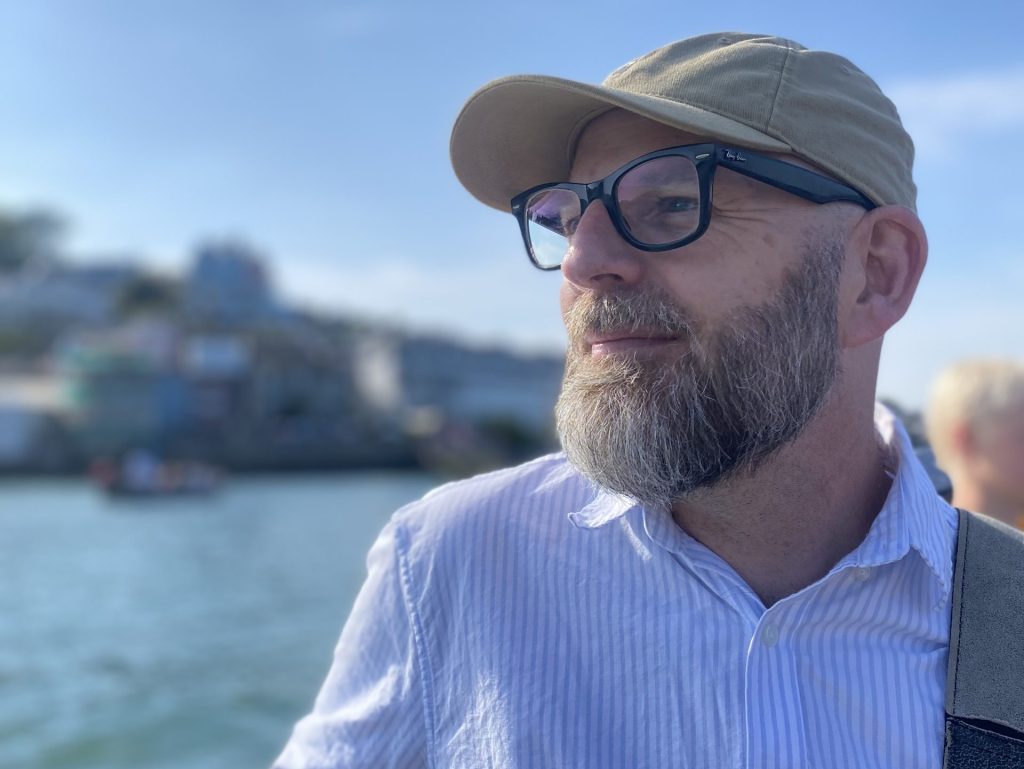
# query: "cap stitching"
572,139
778,87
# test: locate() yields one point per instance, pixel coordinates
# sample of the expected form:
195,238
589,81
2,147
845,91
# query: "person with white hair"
975,424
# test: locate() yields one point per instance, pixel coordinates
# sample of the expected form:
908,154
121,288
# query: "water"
175,633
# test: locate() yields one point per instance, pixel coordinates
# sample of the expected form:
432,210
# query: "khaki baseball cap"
757,91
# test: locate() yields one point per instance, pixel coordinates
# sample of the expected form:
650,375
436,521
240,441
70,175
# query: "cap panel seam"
778,88
572,139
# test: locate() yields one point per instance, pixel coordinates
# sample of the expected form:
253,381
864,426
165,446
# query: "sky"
318,132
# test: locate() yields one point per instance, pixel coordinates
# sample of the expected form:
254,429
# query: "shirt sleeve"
370,711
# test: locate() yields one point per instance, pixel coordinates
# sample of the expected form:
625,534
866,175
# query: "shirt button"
770,635
860,574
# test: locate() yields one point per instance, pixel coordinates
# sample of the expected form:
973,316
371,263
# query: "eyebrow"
661,175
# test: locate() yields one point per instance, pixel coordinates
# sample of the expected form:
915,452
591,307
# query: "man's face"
756,231
685,367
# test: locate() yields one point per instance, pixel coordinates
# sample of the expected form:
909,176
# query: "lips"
626,322
627,342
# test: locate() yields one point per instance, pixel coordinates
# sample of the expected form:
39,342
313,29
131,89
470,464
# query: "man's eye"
675,205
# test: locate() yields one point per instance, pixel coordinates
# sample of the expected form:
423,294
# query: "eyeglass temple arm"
802,182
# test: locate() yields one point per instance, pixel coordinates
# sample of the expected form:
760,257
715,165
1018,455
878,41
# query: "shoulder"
534,492
486,516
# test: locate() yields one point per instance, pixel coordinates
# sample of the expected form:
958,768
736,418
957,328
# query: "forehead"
616,137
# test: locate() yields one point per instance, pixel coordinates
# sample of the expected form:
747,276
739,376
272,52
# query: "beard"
658,430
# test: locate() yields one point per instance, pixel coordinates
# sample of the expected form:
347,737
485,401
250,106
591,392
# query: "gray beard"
657,430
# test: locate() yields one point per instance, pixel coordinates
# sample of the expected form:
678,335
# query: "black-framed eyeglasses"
659,201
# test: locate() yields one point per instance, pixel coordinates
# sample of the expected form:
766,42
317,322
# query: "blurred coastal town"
103,360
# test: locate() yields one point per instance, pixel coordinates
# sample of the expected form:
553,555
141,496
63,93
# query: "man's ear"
887,252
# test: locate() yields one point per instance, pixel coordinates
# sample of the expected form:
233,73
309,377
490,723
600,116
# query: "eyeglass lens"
658,202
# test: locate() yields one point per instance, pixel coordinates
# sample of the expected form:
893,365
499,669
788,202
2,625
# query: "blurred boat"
141,474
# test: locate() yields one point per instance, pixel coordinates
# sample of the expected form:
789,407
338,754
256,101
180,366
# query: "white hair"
978,393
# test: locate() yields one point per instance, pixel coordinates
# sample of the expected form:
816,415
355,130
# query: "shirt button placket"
775,730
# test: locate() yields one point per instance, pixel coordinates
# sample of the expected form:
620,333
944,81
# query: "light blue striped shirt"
525,619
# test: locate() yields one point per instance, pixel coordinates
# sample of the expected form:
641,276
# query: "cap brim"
521,131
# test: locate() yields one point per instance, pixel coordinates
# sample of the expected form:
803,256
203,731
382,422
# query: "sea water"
184,633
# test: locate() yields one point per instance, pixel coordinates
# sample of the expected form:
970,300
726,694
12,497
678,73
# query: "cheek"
715,292
730,266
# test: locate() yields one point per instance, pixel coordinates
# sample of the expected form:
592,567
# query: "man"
975,423
737,561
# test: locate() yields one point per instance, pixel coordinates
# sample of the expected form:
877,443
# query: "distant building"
81,295
421,375
274,398
33,441
228,283
124,386
32,434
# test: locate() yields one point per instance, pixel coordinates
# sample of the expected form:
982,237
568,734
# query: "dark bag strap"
985,679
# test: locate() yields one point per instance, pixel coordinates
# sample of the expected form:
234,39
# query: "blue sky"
318,131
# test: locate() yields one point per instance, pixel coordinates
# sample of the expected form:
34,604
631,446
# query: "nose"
598,257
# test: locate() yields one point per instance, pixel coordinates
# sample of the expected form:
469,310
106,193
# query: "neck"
783,527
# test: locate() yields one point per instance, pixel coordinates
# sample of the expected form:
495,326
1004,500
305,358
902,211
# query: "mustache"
629,310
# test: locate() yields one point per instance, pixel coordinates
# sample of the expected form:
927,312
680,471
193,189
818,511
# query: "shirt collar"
603,508
914,517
